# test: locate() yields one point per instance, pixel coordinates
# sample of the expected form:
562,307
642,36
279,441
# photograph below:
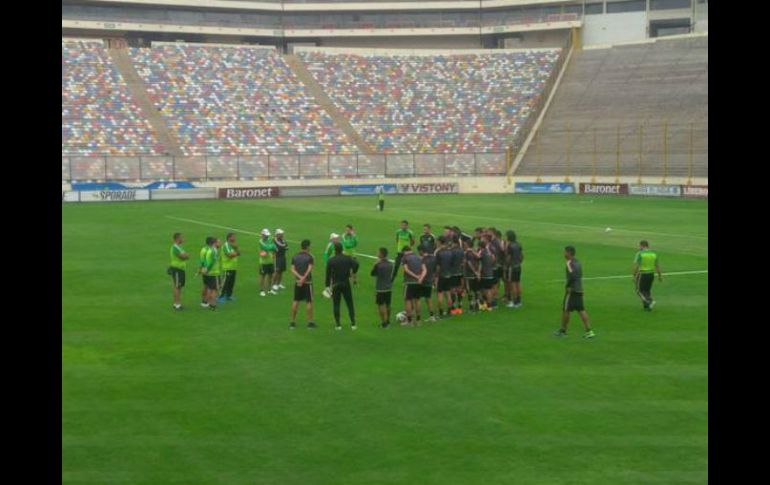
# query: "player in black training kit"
281,247
573,295
414,273
339,269
301,268
472,276
444,270
427,239
383,269
429,260
457,274
514,256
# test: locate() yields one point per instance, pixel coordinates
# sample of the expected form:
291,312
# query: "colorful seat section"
99,116
222,100
443,103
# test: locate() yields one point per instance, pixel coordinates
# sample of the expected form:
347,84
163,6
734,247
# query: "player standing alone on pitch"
404,238
301,268
339,270
266,263
514,256
383,286
229,257
645,266
381,197
177,269
573,295
281,246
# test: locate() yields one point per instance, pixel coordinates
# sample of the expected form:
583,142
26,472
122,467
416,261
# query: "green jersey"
349,243
381,195
212,262
646,259
329,251
404,238
176,261
202,256
268,246
229,264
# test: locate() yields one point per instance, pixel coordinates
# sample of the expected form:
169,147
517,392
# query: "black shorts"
211,282
426,292
412,292
280,264
383,297
457,281
177,276
444,284
512,274
304,292
573,302
472,283
487,283
266,269
498,272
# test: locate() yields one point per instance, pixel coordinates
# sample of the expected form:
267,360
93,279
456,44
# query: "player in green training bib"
329,251
177,268
229,258
404,239
266,263
646,264
201,263
349,241
212,267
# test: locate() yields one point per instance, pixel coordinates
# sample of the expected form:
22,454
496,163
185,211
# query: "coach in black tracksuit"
339,269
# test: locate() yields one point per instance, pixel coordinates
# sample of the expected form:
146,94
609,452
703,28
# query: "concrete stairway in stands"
139,91
315,89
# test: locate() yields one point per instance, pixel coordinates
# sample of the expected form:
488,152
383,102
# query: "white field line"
244,231
673,273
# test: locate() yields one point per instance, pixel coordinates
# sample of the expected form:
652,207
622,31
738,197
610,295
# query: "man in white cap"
329,251
266,263
281,246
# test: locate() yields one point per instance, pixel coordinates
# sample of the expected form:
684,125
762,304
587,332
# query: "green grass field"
150,396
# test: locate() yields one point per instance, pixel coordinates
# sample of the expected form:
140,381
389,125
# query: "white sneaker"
652,304
511,305
281,287
273,292
204,305
262,293
275,287
432,319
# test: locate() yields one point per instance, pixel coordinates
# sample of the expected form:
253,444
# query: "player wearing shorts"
281,247
211,270
230,254
472,276
404,239
381,197
487,262
573,295
302,269
266,263
645,266
383,286
429,260
176,269
514,256
498,250
414,274
444,271
201,263
458,254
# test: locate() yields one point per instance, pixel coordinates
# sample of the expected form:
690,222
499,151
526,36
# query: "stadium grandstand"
168,90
